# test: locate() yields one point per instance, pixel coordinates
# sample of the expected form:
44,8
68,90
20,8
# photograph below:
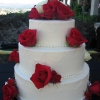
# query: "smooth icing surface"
51,50
71,89
67,61
51,33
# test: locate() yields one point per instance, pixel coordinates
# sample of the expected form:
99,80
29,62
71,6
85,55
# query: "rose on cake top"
53,9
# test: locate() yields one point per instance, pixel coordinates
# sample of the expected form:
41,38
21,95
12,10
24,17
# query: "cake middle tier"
66,61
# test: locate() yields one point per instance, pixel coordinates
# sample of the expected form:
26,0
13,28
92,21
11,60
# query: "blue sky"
21,1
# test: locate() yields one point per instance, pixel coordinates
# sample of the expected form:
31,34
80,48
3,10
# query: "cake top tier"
52,20
52,9
51,33
50,25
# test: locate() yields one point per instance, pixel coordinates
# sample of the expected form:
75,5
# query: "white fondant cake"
51,33
51,50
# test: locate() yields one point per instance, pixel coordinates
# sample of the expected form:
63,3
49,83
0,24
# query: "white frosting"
72,88
51,33
66,61
51,50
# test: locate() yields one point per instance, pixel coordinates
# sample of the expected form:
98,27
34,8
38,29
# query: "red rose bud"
34,14
28,37
42,76
55,78
14,56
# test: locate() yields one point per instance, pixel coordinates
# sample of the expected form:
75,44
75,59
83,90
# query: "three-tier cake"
50,67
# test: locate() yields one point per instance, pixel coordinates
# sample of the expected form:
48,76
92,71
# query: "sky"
21,1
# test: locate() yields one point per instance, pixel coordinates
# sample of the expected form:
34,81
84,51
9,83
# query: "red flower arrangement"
27,37
14,56
75,38
43,75
53,9
9,89
93,89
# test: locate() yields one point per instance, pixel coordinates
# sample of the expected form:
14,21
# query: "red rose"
55,78
11,81
63,11
49,10
55,9
14,56
95,88
75,38
42,75
28,37
88,95
10,91
34,14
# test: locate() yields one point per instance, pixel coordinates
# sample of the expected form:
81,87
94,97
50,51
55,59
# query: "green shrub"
84,17
76,8
88,18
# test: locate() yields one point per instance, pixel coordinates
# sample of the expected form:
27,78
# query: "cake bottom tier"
69,89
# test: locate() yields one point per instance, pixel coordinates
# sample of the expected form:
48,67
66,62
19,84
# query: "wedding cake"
51,62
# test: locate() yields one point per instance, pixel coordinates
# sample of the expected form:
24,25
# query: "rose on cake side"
53,9
55,77
14,56
75,38
28,37
43,75
9,89
93,89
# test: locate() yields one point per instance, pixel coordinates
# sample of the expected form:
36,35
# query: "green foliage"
76,8
85,17
88,18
